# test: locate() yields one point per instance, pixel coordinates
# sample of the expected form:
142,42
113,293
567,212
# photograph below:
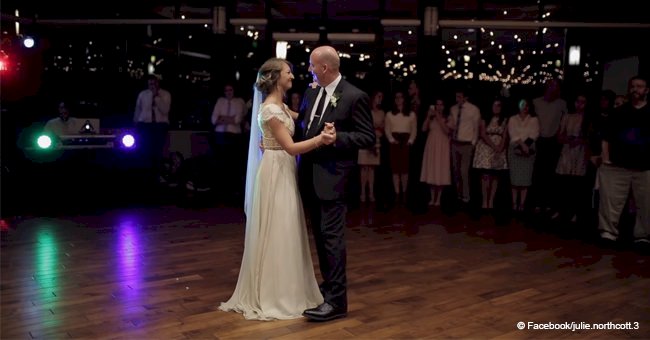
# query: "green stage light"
44,141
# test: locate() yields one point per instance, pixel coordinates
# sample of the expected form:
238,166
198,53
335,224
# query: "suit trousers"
615,185
328,227
461,156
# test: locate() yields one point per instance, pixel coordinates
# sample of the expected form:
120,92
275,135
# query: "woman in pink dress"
436,159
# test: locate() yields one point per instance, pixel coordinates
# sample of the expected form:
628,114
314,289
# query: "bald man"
324,172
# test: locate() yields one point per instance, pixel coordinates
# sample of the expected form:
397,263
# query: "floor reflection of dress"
276,279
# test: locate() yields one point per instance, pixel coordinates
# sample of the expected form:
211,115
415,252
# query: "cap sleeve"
271,110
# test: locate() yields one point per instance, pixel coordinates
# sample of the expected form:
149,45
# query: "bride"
276,278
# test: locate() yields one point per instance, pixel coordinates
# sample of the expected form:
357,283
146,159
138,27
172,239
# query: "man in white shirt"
549,109
63,124
228,113
464,121
151,118
227,117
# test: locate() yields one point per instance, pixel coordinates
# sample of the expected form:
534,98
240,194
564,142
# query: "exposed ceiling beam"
444,23
536,24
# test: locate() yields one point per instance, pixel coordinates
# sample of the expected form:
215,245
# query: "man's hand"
329,128
329,134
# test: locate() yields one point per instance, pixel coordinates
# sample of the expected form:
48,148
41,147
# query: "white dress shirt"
62,128
236,108
549,115
146,103
470,120
329,91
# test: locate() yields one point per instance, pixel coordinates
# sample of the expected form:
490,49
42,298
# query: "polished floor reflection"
161,272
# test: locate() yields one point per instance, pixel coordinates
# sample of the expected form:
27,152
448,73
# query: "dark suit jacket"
326,169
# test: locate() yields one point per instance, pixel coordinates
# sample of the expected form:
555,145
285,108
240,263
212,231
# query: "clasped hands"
328,135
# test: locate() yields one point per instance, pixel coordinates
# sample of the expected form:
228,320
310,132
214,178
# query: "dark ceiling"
510,48
580,10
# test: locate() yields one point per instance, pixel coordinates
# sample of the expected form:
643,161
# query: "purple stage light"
128,141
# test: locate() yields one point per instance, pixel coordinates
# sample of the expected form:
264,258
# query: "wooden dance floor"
160,273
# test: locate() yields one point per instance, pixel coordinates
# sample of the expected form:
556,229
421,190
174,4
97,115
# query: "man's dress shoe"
324,312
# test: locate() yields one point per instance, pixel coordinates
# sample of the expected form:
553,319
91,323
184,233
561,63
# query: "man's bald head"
328,55
324,64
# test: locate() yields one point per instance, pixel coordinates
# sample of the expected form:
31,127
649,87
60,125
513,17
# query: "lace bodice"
267,112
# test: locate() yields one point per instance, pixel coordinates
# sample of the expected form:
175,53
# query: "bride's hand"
330,131
329,128
327,138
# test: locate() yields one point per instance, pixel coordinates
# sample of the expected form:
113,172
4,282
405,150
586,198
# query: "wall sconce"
574,55
281,49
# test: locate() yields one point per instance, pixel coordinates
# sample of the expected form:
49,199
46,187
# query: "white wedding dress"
276,278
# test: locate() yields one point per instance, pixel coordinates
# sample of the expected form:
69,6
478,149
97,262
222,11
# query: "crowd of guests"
573,159
584,162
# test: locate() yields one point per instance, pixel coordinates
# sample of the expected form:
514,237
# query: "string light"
506,69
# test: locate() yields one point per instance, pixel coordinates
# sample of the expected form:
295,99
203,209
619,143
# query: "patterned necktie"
317,114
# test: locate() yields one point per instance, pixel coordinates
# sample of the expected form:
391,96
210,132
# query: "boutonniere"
335,99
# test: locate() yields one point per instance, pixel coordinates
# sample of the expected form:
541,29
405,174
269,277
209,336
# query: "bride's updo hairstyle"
267,77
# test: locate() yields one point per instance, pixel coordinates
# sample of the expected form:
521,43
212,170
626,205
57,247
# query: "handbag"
531,148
